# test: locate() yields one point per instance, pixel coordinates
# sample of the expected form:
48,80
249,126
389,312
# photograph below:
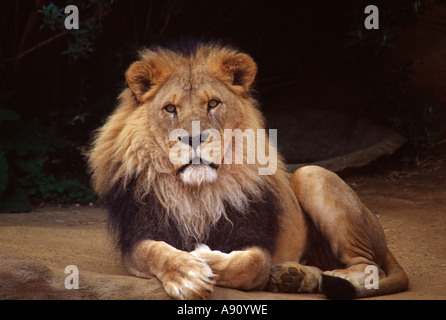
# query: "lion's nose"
196,140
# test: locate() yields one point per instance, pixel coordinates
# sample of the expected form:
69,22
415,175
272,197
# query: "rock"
24,280
331,139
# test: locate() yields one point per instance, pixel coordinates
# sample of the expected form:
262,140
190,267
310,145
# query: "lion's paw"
190,279
211,257
285,277
292,277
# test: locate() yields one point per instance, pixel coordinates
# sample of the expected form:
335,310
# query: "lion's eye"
212,104
170,108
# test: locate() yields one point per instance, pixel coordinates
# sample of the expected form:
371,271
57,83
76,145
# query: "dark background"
57,86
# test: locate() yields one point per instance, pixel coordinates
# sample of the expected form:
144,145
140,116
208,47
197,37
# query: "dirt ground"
36,247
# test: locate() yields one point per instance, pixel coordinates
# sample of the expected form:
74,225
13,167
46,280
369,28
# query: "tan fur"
184,276
134,143
245,269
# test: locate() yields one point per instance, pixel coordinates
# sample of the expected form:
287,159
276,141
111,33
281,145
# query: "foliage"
23,149
52,16
80,42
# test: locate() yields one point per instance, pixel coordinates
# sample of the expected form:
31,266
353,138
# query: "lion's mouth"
197,172
196,162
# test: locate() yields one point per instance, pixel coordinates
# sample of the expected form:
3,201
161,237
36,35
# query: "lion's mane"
145,199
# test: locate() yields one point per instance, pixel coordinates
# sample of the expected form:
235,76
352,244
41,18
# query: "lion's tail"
396,281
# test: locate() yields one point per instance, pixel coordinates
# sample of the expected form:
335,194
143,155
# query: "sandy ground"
411,206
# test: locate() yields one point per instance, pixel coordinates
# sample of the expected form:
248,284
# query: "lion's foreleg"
245,269
183,275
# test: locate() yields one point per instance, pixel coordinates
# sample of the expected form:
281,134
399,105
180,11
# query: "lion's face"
189,101
191,112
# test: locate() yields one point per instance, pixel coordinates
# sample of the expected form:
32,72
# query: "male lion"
195,225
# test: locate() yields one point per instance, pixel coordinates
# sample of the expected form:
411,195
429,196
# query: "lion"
205,222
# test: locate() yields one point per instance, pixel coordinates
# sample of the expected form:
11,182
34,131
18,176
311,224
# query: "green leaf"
30,165
7,114
14,199
31,138
3,171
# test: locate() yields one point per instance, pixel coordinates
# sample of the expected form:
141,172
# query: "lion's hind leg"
343,284
354,236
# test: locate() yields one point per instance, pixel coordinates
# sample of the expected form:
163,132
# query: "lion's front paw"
211,257
189,278
292,277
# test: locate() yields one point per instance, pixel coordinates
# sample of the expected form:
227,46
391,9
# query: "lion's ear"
143,77
240,70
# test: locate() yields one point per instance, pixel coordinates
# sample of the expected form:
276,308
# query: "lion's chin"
197,174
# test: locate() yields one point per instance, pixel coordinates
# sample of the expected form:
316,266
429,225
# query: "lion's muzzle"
196,174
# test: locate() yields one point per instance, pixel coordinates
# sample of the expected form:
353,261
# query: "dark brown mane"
132,221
